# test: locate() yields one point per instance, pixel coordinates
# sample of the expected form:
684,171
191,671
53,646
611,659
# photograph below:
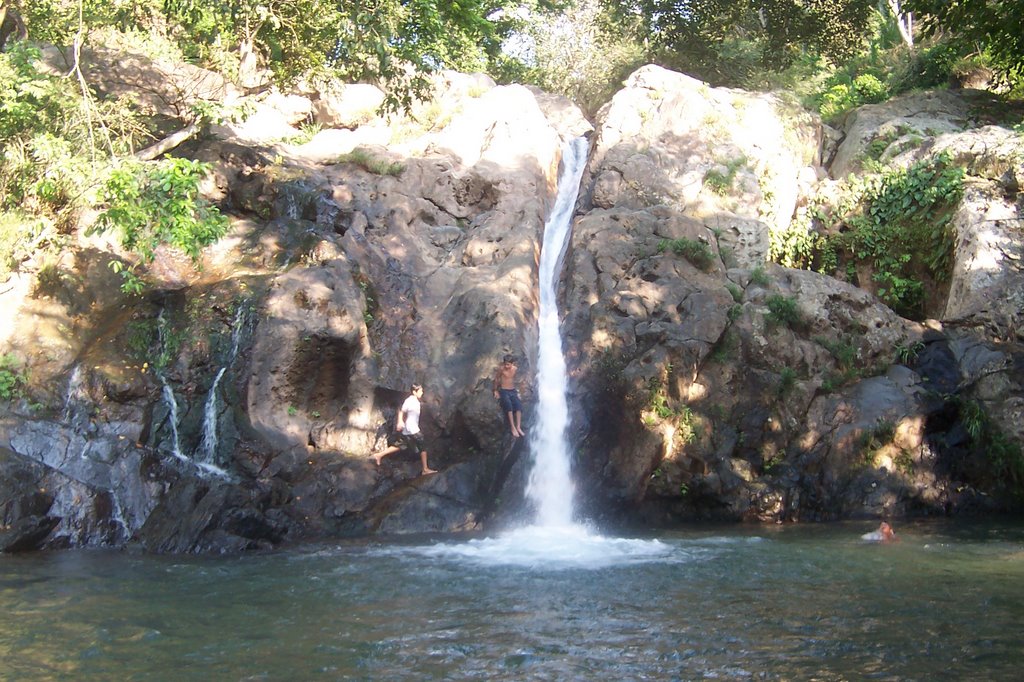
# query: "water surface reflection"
792,602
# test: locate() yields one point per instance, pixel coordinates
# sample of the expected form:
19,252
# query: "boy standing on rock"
505,391
408,425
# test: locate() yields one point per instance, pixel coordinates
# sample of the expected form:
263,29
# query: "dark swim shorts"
412,442
509,398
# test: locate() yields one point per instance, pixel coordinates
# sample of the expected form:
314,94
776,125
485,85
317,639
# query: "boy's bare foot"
522,433
427,471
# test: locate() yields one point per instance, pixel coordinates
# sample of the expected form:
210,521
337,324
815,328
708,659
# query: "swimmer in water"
884,533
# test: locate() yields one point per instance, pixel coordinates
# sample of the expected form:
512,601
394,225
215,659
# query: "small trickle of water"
172,417
75,398
117,514
207,452
208,445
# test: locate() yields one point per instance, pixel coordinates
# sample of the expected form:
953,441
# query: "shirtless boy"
505,391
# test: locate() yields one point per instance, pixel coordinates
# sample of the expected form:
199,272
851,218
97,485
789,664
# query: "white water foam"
556,548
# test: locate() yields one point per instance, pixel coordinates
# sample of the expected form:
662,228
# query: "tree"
391,42
727,41
574,51
991,25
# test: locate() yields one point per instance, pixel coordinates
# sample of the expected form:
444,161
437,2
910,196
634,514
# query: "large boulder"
734,160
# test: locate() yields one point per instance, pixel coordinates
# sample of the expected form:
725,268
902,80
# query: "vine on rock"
895,223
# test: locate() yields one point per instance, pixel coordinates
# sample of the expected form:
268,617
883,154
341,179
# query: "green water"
730,603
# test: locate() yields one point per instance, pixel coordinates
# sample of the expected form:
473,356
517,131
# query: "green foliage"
657,401
787,381
307,131
735,291
159,203
371,301
845,353
800,245
140,337
903,229
907,354
1003,454
991,25
726,348
758,277
18,235
783,311
40,167
843,350
12,377
897,222
697,252
575,50
392,42
773,464
904,462
371,163
881,434
841,97
659,408
720,178
734,43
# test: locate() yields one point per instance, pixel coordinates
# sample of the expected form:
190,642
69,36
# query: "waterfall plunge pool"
729,603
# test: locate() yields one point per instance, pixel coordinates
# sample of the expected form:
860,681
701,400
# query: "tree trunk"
168,143
904,22
11,25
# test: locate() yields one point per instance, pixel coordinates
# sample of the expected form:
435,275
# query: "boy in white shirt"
408,426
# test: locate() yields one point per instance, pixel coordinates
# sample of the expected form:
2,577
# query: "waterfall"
76,399
550,485
554,541
206,454
208,445
172,417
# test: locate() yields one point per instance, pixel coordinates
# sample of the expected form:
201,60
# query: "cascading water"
550,486
168,395
205,456
172,417
554,541
204,467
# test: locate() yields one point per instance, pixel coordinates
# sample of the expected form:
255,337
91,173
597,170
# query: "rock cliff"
235,406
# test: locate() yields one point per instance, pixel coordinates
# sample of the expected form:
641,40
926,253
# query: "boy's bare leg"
426,469
512,424
519,424
378,456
